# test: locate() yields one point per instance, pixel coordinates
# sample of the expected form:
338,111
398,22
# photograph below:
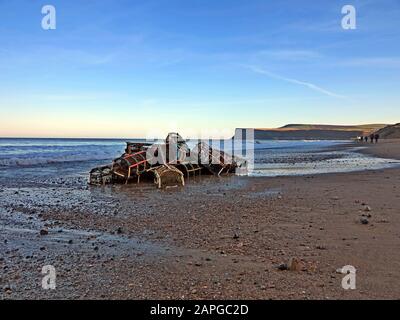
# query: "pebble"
282,267
7,289
364,221
295,264
44,232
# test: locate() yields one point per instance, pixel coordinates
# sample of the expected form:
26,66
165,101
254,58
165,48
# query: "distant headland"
323,132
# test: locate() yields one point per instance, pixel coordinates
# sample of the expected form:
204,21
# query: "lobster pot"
177,149
214,160
168,176
101,176
130,165
189,168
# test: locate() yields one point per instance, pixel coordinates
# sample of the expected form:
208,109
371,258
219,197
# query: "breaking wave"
37,160
35,152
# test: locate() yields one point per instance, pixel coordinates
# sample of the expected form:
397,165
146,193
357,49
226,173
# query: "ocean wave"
43,160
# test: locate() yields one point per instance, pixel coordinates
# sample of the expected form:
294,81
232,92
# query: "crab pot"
189,169
168,176
101,176
130,165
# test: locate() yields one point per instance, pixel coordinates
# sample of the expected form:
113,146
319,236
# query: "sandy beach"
389,149
217,238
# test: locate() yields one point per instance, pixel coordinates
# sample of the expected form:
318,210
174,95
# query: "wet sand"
389,149
217,238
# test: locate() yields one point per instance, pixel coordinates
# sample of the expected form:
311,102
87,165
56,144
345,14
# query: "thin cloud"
295,81
382,62
294,55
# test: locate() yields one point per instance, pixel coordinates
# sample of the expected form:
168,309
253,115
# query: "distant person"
376,138
361,139
366,138
371,137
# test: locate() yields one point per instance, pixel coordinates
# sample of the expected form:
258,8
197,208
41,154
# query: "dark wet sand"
217,238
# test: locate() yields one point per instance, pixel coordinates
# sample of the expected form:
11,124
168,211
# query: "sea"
43,158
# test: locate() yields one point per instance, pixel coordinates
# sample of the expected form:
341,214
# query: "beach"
217,238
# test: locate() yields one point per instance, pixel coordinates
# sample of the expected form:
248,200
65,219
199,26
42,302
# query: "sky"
128,68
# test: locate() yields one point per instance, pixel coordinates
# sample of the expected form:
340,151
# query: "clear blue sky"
122,68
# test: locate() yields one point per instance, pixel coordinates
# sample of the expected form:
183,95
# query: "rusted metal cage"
190,168
167,176
176,149
215,161
133,147
131,165
101,175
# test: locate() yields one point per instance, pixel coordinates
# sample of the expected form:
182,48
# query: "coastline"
218,238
